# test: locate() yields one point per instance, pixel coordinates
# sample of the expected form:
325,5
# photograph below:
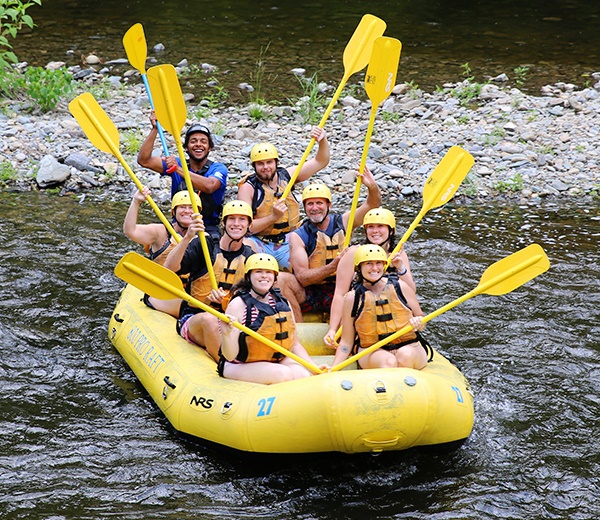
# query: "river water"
81,439
555,40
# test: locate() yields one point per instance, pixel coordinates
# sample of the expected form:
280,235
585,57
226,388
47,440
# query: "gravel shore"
526,147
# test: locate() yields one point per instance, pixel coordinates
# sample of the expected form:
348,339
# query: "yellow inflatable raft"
349,411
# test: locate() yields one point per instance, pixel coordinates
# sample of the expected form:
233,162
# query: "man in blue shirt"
208,177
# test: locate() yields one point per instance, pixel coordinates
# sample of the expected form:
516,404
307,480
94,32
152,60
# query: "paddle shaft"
223,317
190,188
117,153
478,290
363,162
161,133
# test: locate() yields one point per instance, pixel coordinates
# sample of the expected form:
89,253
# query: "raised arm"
144,234
319,161
373,200
145,157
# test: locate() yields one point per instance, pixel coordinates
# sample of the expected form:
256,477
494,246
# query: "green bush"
44,87
12,18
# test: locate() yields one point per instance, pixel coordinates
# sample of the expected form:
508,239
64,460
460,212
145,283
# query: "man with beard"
156,239
315,248
195,325
208,177
275,218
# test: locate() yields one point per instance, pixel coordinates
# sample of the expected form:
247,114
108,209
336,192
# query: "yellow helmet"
313,191
261,261
262,152
181,198
380,216
369,253
237,207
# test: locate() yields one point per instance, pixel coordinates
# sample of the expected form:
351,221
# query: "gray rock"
51,172
558,185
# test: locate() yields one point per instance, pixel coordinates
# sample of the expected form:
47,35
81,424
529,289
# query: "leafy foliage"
12,18
44,87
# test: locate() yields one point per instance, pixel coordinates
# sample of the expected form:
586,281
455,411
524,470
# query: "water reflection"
81,438
552,39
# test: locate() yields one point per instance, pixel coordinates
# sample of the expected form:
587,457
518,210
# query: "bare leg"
263,372
412,356
203,329
168,306
379,359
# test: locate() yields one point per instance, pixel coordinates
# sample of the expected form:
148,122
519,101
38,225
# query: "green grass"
512,185
393,117
520,75
469,185
132,141
257,111
311,101
468,92
7,172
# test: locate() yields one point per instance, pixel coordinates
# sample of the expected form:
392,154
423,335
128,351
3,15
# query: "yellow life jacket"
227,273
377,317
160,256
276,324
322,247
264,199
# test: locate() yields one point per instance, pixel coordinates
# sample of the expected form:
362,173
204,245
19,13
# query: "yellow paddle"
134,42
440,187
103,134
170,109
499,278
379,82
356,56
159,282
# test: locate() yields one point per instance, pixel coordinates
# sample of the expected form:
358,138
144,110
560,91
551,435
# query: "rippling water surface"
81,439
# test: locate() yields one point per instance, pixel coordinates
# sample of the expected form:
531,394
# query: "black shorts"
318,297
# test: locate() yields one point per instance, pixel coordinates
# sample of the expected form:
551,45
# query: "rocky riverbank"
526,147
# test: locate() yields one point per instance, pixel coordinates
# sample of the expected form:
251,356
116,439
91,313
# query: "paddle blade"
169,104
95,123
148,276
383,67
447,176
136,49
514,270
358,50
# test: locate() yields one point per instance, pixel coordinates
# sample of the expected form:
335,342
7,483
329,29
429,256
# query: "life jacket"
322,247
377,317
275,324
210,208
160,255
262,205
229,270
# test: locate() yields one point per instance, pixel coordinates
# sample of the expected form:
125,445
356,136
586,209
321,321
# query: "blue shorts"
281,252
